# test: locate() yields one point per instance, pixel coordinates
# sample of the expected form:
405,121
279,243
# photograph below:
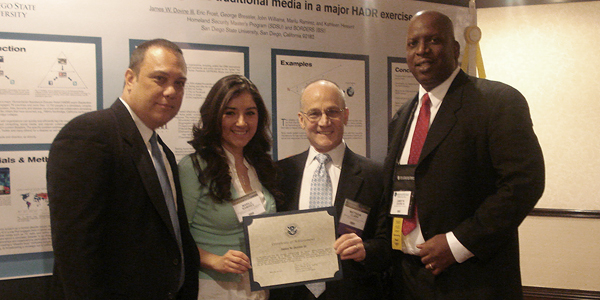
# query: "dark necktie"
165,185
419,136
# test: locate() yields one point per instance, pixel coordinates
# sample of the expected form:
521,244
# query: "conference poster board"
46,80
77,53
293,70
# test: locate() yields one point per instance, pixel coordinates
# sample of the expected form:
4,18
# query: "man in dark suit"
323,116
479,173
112,232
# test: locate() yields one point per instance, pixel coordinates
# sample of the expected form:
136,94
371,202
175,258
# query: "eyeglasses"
315,115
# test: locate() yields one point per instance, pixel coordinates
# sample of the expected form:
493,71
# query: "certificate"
292,248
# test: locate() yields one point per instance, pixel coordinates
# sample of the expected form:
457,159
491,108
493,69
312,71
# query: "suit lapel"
350,181
398,130
446,116
299,163
178,193
135,146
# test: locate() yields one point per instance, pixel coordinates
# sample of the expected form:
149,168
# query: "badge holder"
354,218
402,201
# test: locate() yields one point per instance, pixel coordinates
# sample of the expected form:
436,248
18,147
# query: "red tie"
416,146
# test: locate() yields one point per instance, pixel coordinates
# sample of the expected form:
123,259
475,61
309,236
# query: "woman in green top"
232,141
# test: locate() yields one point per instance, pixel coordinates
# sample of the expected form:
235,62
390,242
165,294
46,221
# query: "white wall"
560,253
550,53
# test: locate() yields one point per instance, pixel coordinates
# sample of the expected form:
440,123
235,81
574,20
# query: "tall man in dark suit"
323,116
112,232
479,173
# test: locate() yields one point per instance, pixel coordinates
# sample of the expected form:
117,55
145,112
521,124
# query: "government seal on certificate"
292,248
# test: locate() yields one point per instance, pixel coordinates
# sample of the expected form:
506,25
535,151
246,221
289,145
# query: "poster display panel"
293,70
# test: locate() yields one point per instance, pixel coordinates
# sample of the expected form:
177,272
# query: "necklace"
242,173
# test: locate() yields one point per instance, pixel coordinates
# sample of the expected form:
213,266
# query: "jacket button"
176,261
171,296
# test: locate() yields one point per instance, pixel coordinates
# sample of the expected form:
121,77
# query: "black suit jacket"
111,230
480,173
360,181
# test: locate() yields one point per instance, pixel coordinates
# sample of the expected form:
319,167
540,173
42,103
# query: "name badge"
401,203
248,205
353,218
403,195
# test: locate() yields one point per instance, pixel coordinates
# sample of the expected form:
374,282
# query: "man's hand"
350,246
436,254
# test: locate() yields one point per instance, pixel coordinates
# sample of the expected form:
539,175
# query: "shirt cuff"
459,251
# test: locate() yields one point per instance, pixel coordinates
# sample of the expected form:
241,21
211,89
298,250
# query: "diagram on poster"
45,82
62,75
293,71
206,64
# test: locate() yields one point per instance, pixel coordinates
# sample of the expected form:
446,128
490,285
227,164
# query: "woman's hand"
231,262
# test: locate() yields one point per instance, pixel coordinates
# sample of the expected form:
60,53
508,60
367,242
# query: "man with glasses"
351,179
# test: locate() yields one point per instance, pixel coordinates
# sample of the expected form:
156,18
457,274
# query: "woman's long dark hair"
207,141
